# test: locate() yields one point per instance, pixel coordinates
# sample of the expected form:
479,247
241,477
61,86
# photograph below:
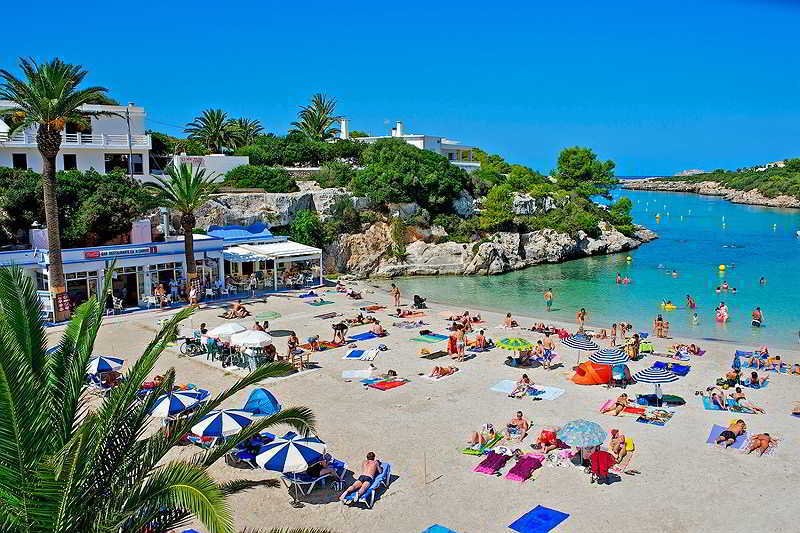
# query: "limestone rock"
525,204
404,210
712,188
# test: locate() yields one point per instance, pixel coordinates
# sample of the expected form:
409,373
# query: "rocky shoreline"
712,188
365,255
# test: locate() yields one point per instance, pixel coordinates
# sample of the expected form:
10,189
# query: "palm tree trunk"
188,250
49,143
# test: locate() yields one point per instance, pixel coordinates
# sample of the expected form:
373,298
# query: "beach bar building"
231,253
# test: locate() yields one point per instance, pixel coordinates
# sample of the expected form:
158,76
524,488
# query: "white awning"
277,251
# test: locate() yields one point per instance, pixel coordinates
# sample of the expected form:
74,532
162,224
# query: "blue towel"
354,354
538,520
367,335
742,353
677,369
436,528
747,383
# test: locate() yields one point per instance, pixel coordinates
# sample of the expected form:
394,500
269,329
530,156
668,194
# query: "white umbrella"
251,338
226,330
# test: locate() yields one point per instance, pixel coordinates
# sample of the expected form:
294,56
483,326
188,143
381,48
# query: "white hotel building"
106,144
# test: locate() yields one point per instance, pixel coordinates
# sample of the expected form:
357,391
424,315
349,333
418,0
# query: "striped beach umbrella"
176,402
222,423
292,454
582,433
104,364
655,375
514,344
580,343
609,356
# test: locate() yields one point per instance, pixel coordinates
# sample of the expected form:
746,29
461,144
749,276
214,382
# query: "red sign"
120,252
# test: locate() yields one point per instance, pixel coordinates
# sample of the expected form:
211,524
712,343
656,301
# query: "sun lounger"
240,459
381,480
306,483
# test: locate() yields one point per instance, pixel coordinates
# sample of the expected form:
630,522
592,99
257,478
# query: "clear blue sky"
656,86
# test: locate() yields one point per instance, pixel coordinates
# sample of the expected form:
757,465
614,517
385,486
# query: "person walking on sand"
580,318
369,470
548,299
395,292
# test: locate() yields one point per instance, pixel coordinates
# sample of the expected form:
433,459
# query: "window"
114,161
70,161
20,161
450,156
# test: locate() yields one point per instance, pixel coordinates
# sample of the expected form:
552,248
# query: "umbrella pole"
296,503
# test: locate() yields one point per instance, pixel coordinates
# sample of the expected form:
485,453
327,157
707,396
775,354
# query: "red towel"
386,385
601,462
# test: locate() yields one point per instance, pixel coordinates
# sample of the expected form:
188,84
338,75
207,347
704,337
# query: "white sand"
684,484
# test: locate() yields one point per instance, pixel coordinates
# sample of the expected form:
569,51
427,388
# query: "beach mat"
628,411
386,385
323,345
361,355
715,432
317,304
434,355
505,386
546,393
326,316
431,338
373,308
709,405
279,333
436,528
418,314
540,519
267,315
356,374
367,335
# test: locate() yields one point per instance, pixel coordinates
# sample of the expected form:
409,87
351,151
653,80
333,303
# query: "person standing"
253,285
548,299
395,292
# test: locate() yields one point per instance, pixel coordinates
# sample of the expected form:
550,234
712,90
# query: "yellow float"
722,268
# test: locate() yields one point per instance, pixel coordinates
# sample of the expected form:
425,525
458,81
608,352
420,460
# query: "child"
521,387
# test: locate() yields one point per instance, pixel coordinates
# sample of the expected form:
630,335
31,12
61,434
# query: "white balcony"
80,140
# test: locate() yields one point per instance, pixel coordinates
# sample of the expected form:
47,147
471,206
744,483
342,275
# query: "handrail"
79,139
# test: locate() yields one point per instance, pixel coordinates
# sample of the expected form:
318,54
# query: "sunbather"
521,387
369,470
480,340
547,441
509,322
756,381
729,436
321,468
619,405
353,294
480,438
620,445
761,442
518,426
741,400
313,341
442,371
717,397
377,329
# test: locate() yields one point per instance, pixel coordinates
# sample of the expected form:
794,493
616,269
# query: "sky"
657,87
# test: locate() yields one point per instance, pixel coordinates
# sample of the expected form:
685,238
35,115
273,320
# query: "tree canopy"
316,120
579,170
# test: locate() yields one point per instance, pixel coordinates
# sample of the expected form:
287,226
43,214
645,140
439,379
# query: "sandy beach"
685,485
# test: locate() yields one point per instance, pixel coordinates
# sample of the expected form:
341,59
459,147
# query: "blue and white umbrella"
655,375
222,423
582,433
609,356
176,402
293,454
104,364
580,343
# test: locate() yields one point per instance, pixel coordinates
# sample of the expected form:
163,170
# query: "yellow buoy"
722,268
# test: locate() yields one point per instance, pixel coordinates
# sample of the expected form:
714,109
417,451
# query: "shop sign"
119,252
193,160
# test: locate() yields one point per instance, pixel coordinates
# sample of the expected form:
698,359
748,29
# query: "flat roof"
274,250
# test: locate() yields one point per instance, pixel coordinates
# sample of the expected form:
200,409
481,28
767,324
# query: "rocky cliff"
366,254
712,188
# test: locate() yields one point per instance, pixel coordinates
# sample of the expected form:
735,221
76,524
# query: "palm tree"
214,129
66,467
245,131
317,120
46,98
184,190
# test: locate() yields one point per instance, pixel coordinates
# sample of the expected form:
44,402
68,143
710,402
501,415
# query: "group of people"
623,280
543,351
661,327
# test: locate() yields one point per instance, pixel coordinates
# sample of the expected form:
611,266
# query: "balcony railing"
88,140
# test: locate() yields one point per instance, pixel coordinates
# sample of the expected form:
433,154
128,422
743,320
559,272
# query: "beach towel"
325,316
677,369
741,353
323,345
321,302
545,393
373,308
367,335
656,416
430,338
434,355
505,386
538,520
629,411
409,324
480,450
602,461
356,374
524,468
416,314
715,432
267,315
361,355
436,528
733,407
386,385
492,463
747,384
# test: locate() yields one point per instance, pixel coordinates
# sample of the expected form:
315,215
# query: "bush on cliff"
271,179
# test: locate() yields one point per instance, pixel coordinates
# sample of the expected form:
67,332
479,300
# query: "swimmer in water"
619,278
695,319
690,303
733,290
724,285
762,281
718,289
674,274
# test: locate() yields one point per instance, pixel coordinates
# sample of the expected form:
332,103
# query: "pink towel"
523,469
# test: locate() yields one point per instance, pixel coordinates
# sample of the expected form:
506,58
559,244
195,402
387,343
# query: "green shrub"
497,214
398,233
271,179
334,174
306,228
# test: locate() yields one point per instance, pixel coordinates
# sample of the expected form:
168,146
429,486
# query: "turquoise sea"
697,234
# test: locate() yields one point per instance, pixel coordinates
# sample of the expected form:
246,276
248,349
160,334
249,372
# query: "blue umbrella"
291,453
222,423
656,376
580,342
609,356
104,364
582,433
176,402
